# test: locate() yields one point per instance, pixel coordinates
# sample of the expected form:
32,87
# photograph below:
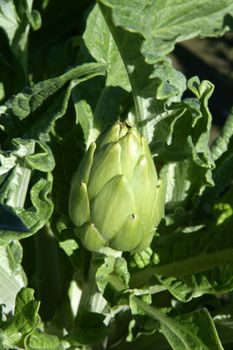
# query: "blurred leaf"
43,341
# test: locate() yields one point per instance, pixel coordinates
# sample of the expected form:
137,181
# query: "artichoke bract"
116,198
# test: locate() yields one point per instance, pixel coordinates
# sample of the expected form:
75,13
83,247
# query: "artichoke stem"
91,299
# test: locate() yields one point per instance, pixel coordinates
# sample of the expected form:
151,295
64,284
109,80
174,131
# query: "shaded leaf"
34,217
89,329
9,221
190,331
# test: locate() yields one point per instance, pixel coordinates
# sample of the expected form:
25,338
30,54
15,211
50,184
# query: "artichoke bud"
116,198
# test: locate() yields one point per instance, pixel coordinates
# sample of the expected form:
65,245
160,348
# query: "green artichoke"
116,199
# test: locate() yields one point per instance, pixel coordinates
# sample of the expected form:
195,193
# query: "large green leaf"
144,43
163,23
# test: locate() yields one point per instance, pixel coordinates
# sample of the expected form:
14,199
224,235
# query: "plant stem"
182,268
91,299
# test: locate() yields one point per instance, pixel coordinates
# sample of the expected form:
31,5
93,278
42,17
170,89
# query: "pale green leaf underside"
12,276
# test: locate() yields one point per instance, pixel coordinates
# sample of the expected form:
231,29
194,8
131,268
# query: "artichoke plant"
116,198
